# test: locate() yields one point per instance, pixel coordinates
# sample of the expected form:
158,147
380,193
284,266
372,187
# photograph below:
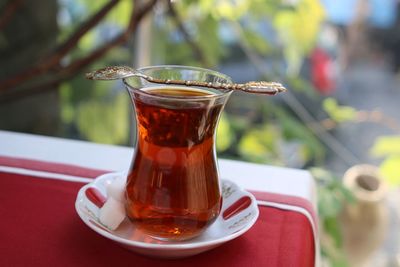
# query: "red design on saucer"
241,204
95,196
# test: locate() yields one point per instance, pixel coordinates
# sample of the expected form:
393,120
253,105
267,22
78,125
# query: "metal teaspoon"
121,72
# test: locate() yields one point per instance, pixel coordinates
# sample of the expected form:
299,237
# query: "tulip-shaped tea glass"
172,189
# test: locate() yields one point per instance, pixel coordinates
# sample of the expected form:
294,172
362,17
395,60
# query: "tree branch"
197,52
55,58
72,69
136,17
64,48
9,11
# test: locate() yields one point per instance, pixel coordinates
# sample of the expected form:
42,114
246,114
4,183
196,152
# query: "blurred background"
340,60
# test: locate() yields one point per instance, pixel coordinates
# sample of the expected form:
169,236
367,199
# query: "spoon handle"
268,88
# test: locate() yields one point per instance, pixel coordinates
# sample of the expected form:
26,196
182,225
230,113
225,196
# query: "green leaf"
224,134
332,227
208,39
230,10
261,9
390,169
256,41
294,130
240,123
260,145
302,86
386,146
121,14
338,113
328,204
105,121
331,193
67,110
87,42
298,29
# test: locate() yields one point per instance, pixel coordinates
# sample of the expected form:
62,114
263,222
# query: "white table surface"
251,176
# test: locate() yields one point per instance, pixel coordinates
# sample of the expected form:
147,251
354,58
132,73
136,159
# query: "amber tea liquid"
173,189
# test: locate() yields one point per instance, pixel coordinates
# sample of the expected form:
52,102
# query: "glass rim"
223,92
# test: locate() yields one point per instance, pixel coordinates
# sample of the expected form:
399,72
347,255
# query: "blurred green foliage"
332,196
298,28
225,135
339,113
388,147
92,110
385,147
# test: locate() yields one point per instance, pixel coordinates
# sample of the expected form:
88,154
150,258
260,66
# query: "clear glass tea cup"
173,190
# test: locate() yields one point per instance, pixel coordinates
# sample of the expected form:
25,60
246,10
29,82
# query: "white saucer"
242,218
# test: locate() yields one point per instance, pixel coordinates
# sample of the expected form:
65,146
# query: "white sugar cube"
112,213
116,188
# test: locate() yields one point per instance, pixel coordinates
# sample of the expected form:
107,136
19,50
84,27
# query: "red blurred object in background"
322,71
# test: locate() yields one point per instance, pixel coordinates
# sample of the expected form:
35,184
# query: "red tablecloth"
39,227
